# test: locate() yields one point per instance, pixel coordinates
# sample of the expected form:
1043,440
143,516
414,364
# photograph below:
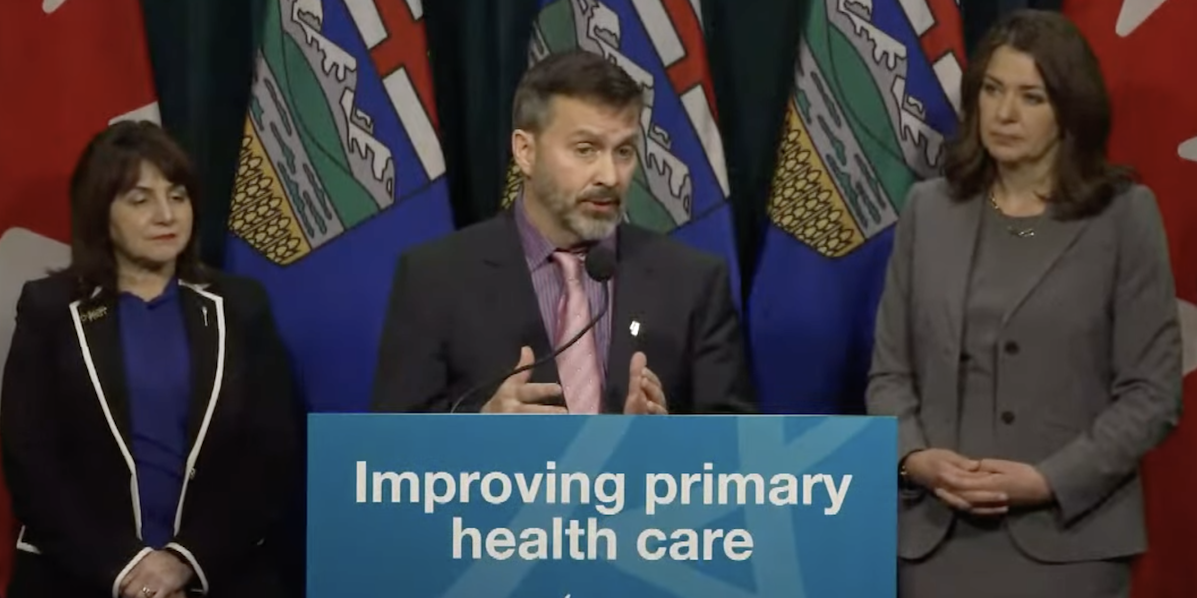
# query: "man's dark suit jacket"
462,306
66,442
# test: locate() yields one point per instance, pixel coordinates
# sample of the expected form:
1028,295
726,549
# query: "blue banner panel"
474,506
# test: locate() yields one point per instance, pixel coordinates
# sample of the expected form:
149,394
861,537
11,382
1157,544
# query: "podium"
606,506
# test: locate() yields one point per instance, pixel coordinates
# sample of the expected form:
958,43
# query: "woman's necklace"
1021,233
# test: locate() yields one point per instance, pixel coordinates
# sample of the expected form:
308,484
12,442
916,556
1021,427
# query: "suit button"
1011,348
1007,417
965,357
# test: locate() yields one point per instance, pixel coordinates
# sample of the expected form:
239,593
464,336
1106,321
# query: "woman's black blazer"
64,430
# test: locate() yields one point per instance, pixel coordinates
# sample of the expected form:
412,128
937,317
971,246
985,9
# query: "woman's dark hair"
110,166
1084,181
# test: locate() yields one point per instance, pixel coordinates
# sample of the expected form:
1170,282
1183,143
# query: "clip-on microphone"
600,266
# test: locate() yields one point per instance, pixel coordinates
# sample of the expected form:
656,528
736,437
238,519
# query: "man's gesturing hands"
517,395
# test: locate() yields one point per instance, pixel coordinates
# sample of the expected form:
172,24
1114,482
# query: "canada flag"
68,68
1148,55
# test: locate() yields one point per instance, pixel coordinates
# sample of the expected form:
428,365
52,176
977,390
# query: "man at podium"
593,314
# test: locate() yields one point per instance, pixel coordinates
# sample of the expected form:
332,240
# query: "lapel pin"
204,310
95,313
634,328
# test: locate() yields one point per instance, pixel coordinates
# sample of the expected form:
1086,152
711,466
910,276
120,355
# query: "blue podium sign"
490,506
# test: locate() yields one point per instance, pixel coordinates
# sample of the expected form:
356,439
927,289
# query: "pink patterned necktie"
577,366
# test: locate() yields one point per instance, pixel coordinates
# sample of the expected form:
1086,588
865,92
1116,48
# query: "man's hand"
160,572
645,395
957,480
517,395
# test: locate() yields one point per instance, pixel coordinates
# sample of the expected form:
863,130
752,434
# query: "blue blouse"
158,373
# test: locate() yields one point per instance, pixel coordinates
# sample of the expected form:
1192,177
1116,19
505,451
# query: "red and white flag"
68,68
1148,55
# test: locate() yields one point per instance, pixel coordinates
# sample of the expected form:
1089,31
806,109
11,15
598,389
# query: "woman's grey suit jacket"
1088,367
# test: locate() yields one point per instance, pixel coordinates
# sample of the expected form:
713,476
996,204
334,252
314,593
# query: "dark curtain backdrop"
751,48
203,57
202,52
477,49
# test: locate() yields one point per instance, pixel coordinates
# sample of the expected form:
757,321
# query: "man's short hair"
576,74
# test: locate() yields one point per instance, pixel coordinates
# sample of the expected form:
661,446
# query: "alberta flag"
340,171
874,97
680,186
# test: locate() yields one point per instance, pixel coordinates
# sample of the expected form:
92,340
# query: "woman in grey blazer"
1028,339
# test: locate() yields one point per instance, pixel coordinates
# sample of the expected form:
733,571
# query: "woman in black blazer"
149,427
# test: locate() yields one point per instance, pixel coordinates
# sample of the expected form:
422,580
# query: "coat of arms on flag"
341,124
874,95
876,87
340,170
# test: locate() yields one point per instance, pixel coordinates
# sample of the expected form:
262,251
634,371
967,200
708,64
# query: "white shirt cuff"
195,566
120,577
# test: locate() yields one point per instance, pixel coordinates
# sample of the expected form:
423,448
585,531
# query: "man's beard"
566,210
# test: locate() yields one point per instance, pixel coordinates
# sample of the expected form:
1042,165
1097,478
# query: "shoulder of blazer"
1135,200
240,294
48,296
928,194
231,286
637,243
60,290
476,241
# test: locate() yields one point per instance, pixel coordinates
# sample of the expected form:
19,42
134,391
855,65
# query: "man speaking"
593,315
